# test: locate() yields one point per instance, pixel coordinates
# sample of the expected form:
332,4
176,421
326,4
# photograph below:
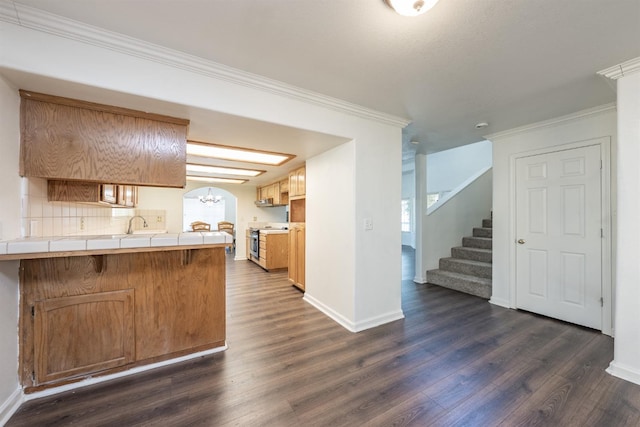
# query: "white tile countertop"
52,245
272,231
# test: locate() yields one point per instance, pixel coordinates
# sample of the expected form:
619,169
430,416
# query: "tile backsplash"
43,218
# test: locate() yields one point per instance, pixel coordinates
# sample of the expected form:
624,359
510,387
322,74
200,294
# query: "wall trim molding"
39,20
620,70
331,313
421,280
372,322
496,137
11,405
348,324
500,302
625,372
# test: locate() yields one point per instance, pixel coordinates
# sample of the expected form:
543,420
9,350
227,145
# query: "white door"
558,235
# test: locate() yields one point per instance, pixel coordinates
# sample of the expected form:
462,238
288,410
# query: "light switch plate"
368,224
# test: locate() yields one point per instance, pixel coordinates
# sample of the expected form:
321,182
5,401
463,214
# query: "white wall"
329,212
586,125
10,394
448,169
626,363
446,226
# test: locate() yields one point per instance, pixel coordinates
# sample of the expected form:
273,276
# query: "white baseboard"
350,325
379,320
11,405
340,319
625,372
420,280
138,369
500,302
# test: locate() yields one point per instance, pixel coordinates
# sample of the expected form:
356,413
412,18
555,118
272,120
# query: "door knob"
521,241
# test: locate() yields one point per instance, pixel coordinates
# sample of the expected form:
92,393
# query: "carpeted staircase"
469,268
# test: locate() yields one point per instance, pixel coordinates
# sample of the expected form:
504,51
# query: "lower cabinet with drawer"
274,251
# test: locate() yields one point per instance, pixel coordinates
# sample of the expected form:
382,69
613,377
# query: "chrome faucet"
144,221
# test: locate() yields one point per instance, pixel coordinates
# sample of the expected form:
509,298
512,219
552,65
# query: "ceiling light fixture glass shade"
221,170
236,154
411,7
210,199
215,179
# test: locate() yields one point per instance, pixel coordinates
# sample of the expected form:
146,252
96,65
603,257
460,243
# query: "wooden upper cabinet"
297,182
92,192
67,139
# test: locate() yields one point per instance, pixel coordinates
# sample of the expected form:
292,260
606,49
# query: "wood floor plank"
454,360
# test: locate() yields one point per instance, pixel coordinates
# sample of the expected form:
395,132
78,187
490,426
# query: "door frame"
607,229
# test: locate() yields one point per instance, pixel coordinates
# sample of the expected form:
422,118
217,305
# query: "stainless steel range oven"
254,237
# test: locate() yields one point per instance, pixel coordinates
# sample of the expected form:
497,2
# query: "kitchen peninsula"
96,305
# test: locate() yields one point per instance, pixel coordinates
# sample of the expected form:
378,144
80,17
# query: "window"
432,198
406,215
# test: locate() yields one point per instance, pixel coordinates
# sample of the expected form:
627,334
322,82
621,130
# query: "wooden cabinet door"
297,256
68,139
81,334
297,182
301,179
300,256
109,193
293,184
127,195
293,263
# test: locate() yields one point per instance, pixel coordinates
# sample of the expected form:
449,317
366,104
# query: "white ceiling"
505,62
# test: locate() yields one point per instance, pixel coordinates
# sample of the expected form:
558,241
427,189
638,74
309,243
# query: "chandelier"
209,199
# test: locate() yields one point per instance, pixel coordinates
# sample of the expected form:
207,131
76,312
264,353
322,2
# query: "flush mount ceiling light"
237,154
411,7
216,179
220,170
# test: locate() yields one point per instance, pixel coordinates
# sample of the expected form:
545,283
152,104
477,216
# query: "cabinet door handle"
521,241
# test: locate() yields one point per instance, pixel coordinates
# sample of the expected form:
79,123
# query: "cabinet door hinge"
33,311
601,302
33,376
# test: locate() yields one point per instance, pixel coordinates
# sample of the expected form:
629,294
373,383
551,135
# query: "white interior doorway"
208,204
559,225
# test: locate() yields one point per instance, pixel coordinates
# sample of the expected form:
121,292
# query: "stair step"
465,266
482,232
487,223
460,282
477,242
475,254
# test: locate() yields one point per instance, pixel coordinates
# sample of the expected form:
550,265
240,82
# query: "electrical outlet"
368,224
81,223
158,219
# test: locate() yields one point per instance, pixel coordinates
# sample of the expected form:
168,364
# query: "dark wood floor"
455,360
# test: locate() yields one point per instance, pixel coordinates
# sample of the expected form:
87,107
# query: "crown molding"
621,70
39,20
495,137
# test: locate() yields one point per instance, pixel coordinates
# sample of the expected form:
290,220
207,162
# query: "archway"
222,206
